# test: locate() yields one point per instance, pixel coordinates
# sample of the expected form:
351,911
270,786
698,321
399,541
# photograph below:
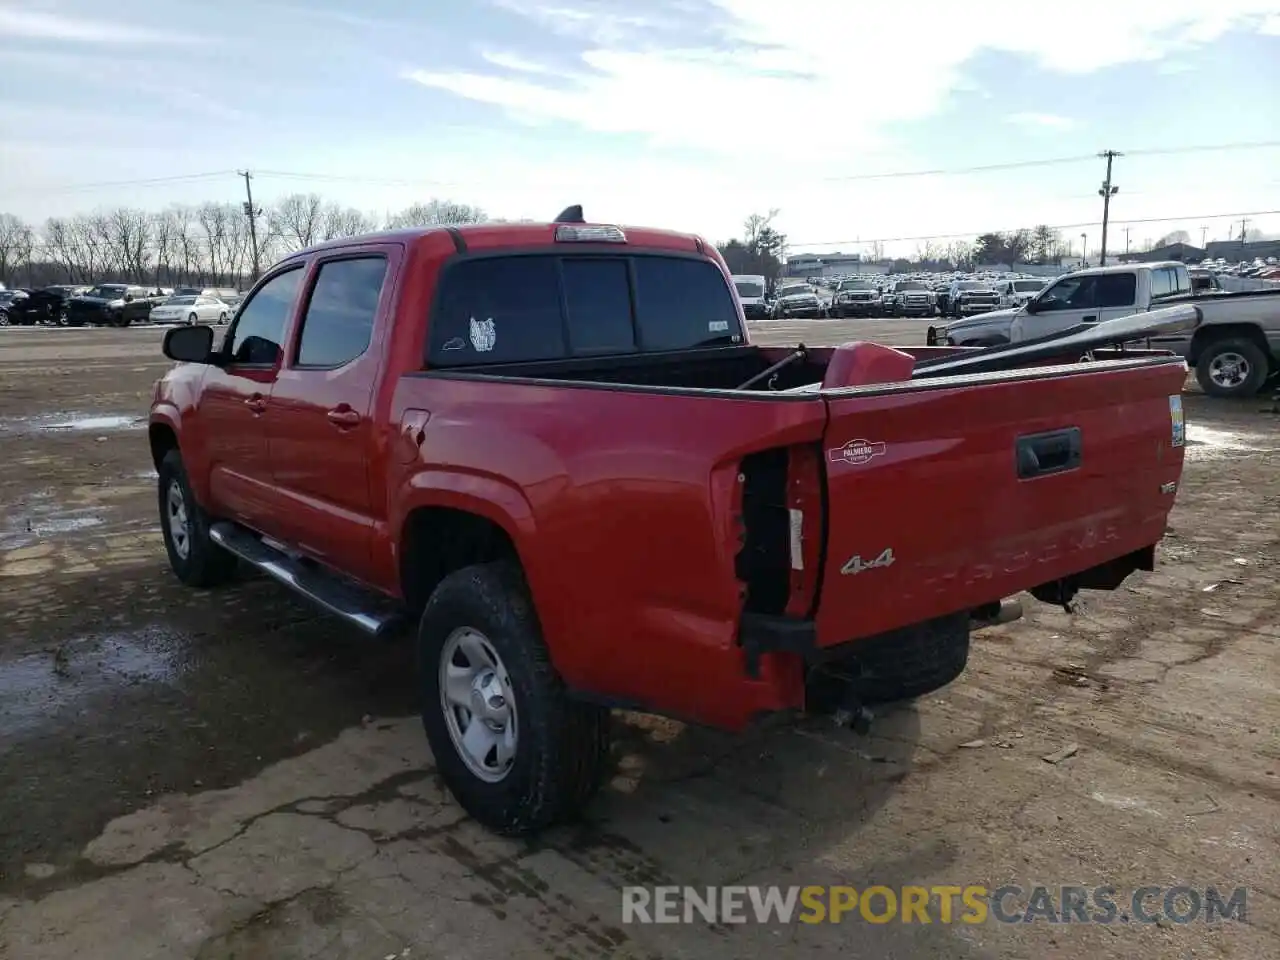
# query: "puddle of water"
33,688
1207,443
65,422
40,518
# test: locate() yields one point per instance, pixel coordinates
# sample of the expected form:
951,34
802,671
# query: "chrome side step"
367,611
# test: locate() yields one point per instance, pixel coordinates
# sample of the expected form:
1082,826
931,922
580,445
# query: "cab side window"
258,333
338,325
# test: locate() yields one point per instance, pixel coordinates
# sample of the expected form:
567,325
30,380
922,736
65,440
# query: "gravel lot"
229,774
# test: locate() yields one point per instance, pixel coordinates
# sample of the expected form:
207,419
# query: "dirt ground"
230,774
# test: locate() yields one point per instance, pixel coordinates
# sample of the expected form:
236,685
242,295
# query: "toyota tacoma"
552,452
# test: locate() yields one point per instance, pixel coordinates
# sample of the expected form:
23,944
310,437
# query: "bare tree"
340,221
877,251
436,212
15,245
237,251
299,217
57,238
130,239
211,218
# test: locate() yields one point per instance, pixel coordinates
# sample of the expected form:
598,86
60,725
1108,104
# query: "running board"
362,608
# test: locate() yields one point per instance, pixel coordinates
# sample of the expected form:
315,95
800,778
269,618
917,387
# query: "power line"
1053,226
884,175
141,182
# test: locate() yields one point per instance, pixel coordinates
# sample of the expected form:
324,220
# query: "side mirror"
1031,306
192,344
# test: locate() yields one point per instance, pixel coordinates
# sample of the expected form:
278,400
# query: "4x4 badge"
857,451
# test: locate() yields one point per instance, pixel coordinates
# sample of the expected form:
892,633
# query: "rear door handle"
1040,454
257,403
344,417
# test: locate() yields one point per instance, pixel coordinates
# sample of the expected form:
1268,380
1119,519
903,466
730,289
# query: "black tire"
1248,353
562,747
192,319
204,564
898,665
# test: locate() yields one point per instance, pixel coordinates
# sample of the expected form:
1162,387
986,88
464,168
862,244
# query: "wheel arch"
1206,336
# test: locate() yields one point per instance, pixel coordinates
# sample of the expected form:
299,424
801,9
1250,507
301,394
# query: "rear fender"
488,496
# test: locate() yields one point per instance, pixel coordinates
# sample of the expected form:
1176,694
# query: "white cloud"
1044,121
513,61
761,59
29,24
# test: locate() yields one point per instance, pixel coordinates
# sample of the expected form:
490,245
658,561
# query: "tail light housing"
783,516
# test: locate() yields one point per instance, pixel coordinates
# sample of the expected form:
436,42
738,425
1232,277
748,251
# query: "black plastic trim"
761,633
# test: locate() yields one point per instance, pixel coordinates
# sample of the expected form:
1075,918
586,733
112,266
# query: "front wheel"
1232,368
517,753
196,560
222,318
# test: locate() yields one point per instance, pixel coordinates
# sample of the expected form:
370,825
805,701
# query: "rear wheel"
192,319
1236,367
517,753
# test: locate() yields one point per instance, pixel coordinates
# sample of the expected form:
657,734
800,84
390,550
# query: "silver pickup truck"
1233,351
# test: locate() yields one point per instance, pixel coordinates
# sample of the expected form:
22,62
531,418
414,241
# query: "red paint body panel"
624,504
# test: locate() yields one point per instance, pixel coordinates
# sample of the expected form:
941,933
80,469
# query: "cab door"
1069,302
321,435
234,404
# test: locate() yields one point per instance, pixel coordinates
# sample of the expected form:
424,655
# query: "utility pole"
1084,250
1126,239
1204,237
1244,230
1106,193
252,213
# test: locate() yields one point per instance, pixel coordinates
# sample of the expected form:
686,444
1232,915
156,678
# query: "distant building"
1233,251
828,265
1182,252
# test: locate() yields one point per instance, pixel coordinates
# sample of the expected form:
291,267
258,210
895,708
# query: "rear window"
548,307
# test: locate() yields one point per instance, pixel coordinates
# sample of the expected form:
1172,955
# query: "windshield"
795,291
747,288
971,285
857,285
912,285
107,293
180,302
1027,286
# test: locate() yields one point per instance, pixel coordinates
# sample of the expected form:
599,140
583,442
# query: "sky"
856,121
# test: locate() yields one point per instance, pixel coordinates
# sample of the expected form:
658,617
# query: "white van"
753,292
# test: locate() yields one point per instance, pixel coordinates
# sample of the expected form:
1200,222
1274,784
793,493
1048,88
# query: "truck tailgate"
946,495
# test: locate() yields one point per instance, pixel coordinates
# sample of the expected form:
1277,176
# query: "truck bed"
716,512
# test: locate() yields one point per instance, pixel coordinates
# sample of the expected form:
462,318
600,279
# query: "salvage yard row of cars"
115,305
912,295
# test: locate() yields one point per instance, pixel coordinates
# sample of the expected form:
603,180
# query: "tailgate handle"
1040,454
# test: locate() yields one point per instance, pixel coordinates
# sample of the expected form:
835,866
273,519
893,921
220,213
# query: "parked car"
1233,351
110,304
553,447
969,297
47,305
908,298
1017,291
8,299
753,294
855,298
797,301
192,310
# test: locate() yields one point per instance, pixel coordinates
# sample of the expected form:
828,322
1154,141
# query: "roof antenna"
571,214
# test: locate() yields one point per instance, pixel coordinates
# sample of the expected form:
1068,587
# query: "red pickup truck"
554,449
